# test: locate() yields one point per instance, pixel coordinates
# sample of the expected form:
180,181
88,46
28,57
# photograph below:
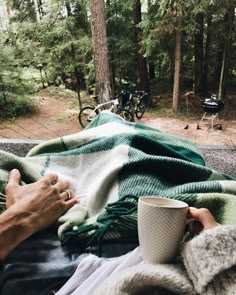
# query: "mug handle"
189,226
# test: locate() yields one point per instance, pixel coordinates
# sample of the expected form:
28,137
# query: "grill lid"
213,104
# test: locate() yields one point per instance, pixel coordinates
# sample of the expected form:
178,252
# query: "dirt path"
203,136
57,119
54,119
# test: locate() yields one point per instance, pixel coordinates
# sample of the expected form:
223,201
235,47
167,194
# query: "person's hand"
42,202
204,220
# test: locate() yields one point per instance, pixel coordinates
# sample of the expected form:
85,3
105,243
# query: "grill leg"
215,117
211,117
203,117
212,121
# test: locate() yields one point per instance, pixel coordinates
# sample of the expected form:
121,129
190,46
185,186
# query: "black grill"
212,105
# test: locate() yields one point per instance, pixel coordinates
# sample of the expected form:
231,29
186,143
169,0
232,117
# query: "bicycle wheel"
141,107
125,114
86,115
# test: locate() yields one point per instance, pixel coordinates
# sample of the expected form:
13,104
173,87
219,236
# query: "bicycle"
141,103
88,113
135,103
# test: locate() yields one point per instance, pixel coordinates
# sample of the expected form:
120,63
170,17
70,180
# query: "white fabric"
92,271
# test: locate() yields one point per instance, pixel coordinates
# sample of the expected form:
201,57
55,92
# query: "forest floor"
57,117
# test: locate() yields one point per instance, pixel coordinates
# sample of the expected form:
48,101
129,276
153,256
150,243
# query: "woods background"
158,46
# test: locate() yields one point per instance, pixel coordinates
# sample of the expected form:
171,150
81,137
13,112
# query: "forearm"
15,227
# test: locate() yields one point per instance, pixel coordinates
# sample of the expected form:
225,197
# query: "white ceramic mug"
161,225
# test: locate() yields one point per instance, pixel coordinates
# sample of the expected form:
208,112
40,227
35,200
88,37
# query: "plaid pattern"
112,163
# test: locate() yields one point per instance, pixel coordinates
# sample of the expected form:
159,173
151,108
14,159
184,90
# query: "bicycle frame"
97,109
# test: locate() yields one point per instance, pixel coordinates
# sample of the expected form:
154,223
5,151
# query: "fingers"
70,203
67,195
14,177
51,178
62,186
204,216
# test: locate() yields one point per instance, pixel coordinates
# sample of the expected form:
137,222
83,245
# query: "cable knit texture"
209,260
147,279
210,254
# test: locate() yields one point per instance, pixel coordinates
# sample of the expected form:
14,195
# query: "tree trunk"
141,61
206,56
218,63
177,70
151,70
171,67
99,36
36,10
111,29
68,8
41,76
76,75
220,93
228,45
151,65
86,73
229,23
39,9
198,50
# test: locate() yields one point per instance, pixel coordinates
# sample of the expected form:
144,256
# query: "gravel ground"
221,158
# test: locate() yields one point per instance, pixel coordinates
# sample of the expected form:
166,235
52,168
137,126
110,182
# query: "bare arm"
31,208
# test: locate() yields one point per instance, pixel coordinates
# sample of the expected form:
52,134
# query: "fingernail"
14,171
192,208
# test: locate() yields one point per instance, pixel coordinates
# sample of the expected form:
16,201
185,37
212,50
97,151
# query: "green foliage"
121,41
53,46
159,26
56,45
13,106
24,10
13,85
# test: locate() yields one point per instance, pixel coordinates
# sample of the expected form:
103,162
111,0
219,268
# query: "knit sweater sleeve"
210,261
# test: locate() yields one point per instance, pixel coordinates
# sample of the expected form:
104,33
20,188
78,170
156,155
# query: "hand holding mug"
162,223
204,218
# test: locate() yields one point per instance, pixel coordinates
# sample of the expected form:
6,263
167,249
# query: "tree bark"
220,93
86,73
68,8
151,65
171,67
39,9
229,23
141,61
177,70
76,75
151,70
206,55
198,50
36,10
99,36
111,51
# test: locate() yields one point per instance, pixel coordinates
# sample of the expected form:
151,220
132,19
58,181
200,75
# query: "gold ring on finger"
68,195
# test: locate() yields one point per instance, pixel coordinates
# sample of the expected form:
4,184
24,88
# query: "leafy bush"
15,106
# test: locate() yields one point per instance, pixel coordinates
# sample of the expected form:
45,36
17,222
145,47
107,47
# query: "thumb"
14,177
204,216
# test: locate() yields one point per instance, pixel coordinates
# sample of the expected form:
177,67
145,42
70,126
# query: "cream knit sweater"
208,266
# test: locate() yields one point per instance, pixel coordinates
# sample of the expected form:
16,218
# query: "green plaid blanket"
114,162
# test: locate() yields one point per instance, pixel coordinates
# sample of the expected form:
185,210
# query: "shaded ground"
57,118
